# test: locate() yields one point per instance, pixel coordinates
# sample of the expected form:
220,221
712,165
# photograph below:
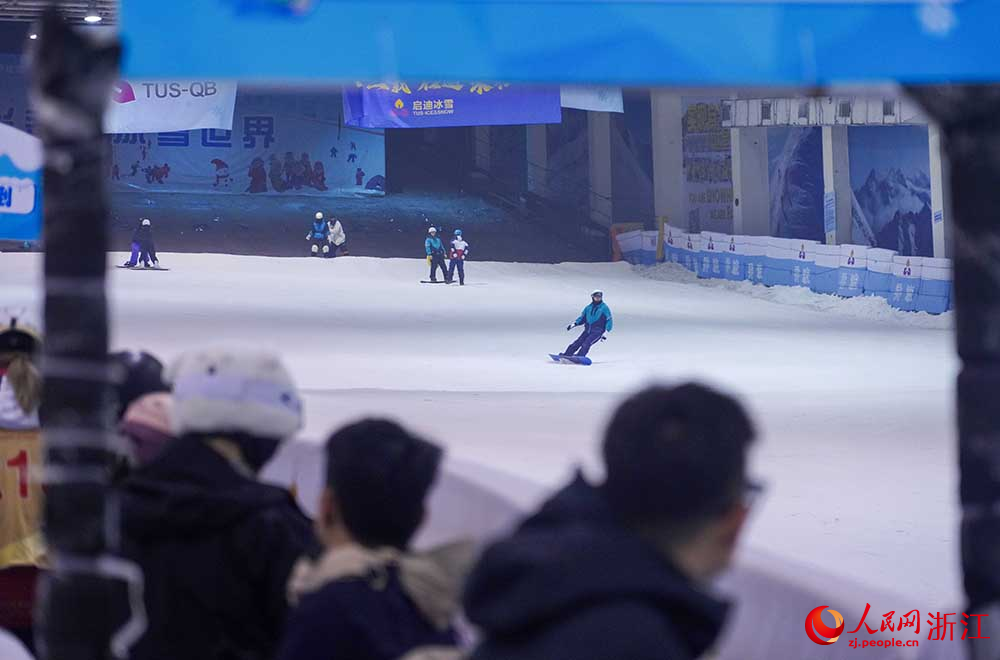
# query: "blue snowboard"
571,359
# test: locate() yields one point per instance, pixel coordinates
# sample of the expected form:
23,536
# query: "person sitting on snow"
596,319
318,235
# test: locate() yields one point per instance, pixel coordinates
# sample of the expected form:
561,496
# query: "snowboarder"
596,319
318,234
459,250
336,236
435,255
143,248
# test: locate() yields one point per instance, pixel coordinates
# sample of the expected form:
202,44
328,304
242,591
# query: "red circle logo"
814,625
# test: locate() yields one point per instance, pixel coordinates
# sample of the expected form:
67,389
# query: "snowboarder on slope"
435,255
459,250
143,248
596,319
318,234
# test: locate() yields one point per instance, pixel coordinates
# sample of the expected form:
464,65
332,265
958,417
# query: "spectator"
367,597
22,551
619,570
146,425
139,373
217,546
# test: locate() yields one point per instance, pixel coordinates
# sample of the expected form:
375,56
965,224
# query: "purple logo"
123,92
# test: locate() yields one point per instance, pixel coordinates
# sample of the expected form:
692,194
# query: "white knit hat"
234,391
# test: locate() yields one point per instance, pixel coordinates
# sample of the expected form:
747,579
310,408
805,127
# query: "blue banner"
20,185
601,41
427,104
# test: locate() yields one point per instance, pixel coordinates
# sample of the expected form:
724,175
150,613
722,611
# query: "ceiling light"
92,15
32,36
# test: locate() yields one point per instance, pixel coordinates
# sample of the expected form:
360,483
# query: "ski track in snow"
854,400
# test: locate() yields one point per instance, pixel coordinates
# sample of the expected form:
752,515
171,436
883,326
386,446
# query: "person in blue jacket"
435,255
596,319
318,234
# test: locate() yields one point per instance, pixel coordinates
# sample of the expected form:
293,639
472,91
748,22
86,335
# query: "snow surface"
853,399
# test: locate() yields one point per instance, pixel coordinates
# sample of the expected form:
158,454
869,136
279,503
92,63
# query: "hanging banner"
635,43
280,144
20,185
598,99
153,107
428,104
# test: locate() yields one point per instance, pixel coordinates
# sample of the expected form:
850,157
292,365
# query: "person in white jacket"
336,237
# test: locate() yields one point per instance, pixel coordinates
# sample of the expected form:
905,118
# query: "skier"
459,250
318,236
596,317
336,236
435,255
143,248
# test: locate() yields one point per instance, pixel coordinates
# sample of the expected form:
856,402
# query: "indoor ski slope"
854,400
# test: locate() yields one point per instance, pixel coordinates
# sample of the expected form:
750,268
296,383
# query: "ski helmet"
18,334
239,392
458,232
432,230
596,292
146,222
319,215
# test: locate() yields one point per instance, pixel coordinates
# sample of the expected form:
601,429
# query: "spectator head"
377,479
146,425
676,460
20,341
244,397
139,373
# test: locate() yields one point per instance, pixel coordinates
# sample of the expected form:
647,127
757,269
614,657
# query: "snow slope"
854,403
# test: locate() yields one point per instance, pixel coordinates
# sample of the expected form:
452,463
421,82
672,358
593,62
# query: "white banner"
167,106
598,99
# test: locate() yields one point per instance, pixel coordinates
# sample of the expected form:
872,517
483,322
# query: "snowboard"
434,282
141,268
571,359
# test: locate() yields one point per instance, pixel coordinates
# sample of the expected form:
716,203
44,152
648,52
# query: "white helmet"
234,391
146,222
432,230
319,215
597,292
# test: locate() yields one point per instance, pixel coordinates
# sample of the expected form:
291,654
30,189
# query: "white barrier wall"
919,284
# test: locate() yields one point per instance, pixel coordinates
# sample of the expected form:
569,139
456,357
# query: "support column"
537,156
668,157
751,196
836,185
483,147
599,134
940,203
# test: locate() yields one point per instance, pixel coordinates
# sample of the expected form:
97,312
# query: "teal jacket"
433,245
595,316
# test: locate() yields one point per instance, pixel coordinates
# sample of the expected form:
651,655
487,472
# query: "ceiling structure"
75,10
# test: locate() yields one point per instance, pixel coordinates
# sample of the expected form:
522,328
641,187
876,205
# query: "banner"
427,104
597,99
152,107
708,167
795,177
20,185
281,144
630,43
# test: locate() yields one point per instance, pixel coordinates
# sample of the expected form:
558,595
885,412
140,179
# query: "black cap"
141,374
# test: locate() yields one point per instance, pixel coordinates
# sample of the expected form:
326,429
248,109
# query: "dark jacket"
361,604
143,236
572,583
216,547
